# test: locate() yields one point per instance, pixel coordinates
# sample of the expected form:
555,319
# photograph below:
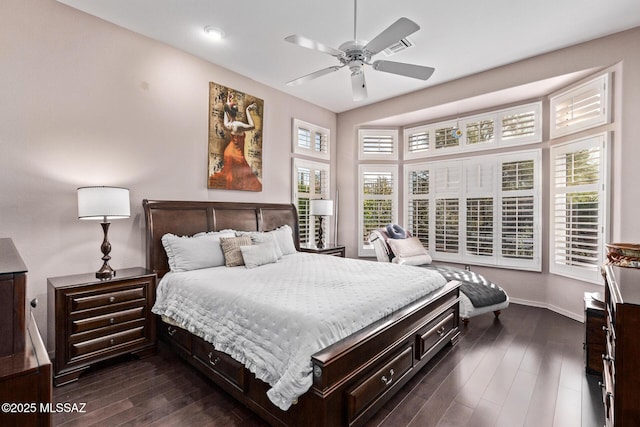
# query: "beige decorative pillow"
231,249
407,251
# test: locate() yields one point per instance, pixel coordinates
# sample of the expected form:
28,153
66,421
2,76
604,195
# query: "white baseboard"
578,317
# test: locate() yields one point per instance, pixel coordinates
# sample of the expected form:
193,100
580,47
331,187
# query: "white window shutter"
583,107
378,202
578,207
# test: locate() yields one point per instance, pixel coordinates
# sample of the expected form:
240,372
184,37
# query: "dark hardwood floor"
526,369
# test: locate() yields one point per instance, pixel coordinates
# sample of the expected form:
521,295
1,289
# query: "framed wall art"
235,140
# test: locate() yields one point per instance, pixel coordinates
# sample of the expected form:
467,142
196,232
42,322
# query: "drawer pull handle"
112,320
112,341
171,330
601,384
607,358
389,380
215,361
440,331
112,299
604,328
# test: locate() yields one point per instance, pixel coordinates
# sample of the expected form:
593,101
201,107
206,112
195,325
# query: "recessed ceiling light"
213,33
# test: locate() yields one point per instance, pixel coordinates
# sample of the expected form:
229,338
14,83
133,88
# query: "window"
511,126
583,107
310,140
378,202
378,144
482,210
311,181
519,211
578,231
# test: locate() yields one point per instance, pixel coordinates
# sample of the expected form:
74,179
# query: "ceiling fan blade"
358,85
393,34
314,45
409,70
314,75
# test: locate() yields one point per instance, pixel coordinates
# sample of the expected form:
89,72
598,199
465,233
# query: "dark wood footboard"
352,378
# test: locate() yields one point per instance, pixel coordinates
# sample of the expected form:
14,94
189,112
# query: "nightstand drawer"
88,324
110,298
84,348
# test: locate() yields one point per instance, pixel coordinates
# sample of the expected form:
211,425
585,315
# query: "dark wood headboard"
185,218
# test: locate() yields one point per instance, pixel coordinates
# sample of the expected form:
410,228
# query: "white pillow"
408,251
284,238
413,260
258,237
186,253
260,254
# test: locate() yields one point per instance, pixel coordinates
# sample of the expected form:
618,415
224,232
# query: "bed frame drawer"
377,384
176,336
435,331
220,363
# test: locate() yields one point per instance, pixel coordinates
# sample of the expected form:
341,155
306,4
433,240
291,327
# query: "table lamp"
104,203
321,208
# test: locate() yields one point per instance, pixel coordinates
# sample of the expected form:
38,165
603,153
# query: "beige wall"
617,52
83,102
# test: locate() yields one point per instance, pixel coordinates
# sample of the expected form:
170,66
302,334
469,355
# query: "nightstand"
93,320
329,249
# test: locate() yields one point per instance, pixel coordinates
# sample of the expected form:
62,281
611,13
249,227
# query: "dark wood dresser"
94,320
621,361
25,372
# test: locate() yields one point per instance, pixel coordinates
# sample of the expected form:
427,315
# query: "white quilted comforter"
274,317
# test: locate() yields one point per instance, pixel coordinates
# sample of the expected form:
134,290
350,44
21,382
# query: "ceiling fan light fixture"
214,33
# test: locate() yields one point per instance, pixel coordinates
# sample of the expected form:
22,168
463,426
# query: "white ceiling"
457,37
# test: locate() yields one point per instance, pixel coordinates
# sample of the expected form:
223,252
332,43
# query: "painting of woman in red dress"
238,167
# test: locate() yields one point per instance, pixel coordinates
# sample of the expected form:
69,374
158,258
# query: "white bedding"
274,317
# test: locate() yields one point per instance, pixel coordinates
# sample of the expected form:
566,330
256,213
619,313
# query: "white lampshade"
321,207
103,203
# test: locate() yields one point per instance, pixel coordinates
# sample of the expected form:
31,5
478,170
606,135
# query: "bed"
477,294
350,379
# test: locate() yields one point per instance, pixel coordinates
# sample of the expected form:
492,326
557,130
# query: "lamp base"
105,272
320,241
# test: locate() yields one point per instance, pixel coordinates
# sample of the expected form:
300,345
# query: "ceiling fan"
356,53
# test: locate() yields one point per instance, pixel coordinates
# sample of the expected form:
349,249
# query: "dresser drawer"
109,319
219,362
128,337
374,386
79,302
435,331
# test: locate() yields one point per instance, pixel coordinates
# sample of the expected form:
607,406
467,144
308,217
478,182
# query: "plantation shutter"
378,144
418,204
578,208
519,125
310,140
583,107
378,201
311,182
518,209
479,222
448,183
